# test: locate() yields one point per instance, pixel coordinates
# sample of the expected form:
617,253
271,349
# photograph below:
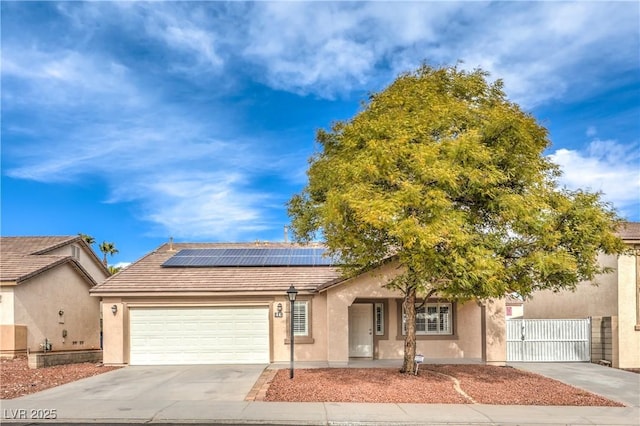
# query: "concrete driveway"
158,383
136,393
618,385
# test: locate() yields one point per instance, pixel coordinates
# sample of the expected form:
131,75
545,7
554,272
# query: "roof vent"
171,244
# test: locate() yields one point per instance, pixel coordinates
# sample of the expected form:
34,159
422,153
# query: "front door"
361,330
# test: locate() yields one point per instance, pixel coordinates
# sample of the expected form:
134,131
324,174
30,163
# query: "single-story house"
44,295
208,303
612,302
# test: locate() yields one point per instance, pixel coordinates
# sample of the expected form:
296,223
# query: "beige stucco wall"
495,332
113,329
615,297
340,297
38,300
13,340
628,332
87,260
466,344
587,301
313,348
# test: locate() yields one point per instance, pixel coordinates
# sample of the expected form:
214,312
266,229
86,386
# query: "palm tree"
107,248
114,269
87,238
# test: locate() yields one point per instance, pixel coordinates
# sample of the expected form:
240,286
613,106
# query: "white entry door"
361,330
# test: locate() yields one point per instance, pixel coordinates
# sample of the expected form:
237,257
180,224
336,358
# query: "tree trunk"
409,305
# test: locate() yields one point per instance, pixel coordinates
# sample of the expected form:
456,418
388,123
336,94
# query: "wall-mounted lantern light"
278,313
114,309
292,293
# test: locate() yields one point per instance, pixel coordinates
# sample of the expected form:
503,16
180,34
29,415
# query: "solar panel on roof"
250,257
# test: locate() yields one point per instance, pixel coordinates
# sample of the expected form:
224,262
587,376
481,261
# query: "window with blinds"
301,319
379,313
432,318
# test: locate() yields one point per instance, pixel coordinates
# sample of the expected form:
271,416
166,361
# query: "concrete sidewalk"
282,413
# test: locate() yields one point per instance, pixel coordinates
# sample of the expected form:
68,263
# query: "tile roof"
24,257
148,274
630,231
19,267
33,245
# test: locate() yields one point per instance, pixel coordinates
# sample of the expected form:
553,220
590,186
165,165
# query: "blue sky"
133,122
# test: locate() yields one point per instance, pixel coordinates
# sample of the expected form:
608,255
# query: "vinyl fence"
545,340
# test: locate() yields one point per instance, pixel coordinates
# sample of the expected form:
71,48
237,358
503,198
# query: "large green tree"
442,172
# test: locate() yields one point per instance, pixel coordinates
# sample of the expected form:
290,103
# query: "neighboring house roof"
512,300
148,274
630,232
22,258
34,245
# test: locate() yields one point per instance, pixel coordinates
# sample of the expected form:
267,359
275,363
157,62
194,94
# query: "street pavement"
215,395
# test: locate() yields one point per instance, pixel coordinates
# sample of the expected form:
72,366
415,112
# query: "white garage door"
203,335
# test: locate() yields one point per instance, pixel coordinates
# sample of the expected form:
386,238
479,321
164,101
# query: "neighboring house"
514,307
613,305
227,303
44,295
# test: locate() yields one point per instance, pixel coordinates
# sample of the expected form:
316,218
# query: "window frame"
306,338
378,314
302,305
451,335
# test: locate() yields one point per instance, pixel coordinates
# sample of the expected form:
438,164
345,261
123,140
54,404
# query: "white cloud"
201,205
121,265
605,166
540,49
543,50
64,78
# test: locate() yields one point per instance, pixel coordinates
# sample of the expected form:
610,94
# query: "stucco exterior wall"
616,297
113,327
495,332
86,259
467,342
340,297
312,348
13,340
588,300
38,301
628,332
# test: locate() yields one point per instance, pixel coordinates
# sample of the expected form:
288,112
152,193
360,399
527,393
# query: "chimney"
171,244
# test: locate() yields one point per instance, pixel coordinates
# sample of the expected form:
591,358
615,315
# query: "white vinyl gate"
545,340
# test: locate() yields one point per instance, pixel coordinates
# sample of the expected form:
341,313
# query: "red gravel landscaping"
17,379
484,384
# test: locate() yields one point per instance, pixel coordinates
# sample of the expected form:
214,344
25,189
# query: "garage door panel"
199,335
